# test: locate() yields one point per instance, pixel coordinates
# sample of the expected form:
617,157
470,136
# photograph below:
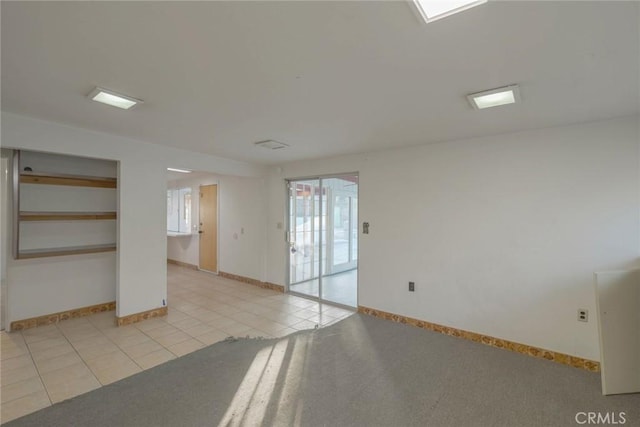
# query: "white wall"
241,225
142,249
501,234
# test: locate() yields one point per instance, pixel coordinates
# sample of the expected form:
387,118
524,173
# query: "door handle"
200,232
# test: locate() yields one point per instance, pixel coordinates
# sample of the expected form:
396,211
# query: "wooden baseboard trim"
182,264
577,362
138,317
49,319
255,282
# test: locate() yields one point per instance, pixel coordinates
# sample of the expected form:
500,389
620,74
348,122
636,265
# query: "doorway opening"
192,220
322,238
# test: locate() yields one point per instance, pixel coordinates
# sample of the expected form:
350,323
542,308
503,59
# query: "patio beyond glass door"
304,235
323,238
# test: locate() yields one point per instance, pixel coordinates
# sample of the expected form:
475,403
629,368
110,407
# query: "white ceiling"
327,78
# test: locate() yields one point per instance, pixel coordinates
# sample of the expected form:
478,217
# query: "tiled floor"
49,364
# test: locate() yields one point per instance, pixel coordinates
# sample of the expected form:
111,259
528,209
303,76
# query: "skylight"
432,10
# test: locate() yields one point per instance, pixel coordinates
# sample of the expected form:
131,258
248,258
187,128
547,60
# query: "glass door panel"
323,238
304,237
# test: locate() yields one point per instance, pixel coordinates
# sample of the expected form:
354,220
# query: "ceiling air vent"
270,144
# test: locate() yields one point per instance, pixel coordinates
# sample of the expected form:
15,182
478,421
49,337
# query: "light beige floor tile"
306,314
108,361
20,389
208,316
9,352
68,373
11,376
41,333
24,405
82,334
199,330
187,322
171,339
122,331
227,310
72,387
254,321
47,343
156,358
58,362
149,324
142,349
185,347
91,352
116,373
15,338
162,331
88,342
16,362
104,321
52,352
175,316
130,340
212,337
222,322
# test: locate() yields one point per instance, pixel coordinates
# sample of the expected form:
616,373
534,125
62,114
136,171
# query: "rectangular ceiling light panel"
114,99
432,10
495,97
271,144
178,170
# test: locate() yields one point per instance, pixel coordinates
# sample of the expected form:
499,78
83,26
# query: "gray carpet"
362,371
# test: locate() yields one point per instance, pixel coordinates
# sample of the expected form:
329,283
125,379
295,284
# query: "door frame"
217,184
287,247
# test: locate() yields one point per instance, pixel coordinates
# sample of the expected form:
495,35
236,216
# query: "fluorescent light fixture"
114,99
178,170
432,10
495,97
271,144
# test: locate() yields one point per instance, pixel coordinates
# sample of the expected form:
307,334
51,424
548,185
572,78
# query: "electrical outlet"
583,315
412,286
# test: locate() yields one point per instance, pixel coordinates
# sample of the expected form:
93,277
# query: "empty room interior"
320,213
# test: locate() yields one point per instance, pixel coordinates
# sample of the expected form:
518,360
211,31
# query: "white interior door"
618,299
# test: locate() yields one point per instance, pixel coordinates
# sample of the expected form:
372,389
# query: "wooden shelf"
66,216
71,180
74,250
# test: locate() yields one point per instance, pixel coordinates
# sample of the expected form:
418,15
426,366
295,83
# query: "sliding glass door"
323,238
